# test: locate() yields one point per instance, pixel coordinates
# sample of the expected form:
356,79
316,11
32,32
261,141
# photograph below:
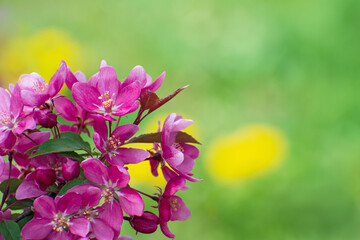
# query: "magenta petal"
28,189
25,143
33,99
45,207
165,229
119,176
62,235
37,228
86,96
190,150
90,194
4,100
108,81
99,142
172,156
102,230
71,79
101,128
58,80
80,76
2,165
130,155
181,212
113,215
70,170
131,201
136,74
126,131
187,165
157,83
16,104
164,209
95,171
66,108
79,226
127,95
181,124
174,185
69,203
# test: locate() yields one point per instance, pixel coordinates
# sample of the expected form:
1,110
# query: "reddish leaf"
181,137
166,99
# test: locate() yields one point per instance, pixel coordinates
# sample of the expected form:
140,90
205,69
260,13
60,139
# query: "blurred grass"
293,65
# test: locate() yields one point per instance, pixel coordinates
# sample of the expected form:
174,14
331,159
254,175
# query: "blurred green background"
291,66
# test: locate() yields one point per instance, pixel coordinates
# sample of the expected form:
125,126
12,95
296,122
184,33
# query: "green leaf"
72,183
10,230
20,204
181,137
13,185
23,221
72,155
68,142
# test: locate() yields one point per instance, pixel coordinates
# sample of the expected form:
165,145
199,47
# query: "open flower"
104,94
171,207
35,92
114,180
112,147
175,158
55,219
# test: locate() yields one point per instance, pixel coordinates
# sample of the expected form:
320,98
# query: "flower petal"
37,228
181,212
131,201
165,229
119,176
174,185
58,80
112,214
172,156
128,156
45,207
124,132
79,226
102,230
95,171
86,96
69,203
66,108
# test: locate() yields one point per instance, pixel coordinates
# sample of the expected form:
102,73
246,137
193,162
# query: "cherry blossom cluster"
56,185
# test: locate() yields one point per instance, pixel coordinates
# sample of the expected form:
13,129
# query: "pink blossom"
112,148
11,108
104,94
56,219
114,180
146,223
35,92
179,156
171,207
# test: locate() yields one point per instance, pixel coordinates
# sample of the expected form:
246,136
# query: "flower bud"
45,118
70,170
147,223
45,177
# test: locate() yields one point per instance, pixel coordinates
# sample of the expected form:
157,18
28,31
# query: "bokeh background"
274,95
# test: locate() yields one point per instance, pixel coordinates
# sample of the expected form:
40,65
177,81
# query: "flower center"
60,223
113,143
107,194
178,147
5,118
107,101
174,204
40,87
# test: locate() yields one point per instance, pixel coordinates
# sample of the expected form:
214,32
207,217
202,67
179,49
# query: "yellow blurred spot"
247,152
141,173
41,53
